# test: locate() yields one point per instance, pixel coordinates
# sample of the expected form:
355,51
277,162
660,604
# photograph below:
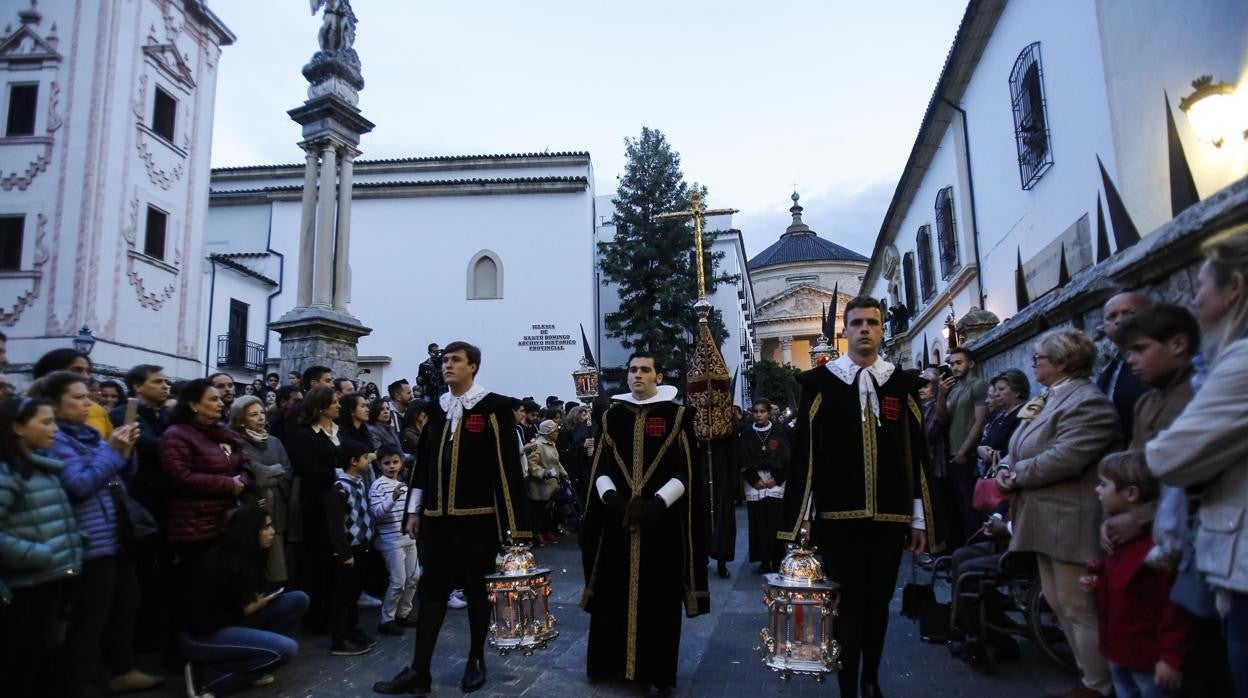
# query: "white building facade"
104,163
494,249
1049,123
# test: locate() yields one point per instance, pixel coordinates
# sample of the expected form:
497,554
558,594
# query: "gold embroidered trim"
684,443
502,472
870,454
914,408
810,469
634,562
438,485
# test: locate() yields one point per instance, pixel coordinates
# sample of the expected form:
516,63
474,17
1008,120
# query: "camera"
945,372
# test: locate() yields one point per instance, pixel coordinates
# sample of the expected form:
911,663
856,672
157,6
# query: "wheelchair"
564,508
1020,610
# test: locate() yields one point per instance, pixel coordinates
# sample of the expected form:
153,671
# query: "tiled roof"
803,247
419,183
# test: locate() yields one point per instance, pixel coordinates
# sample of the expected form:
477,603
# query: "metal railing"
236,352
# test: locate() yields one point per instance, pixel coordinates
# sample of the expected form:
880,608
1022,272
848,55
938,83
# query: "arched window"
907,272
1031,123
946,235
485,276
927,277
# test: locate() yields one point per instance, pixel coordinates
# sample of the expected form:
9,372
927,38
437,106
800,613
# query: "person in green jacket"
40,545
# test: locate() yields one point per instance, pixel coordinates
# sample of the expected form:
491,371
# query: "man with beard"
642,539
465,495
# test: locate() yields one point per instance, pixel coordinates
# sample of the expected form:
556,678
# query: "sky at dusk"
754,96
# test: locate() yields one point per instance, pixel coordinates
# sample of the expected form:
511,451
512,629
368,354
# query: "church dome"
798,243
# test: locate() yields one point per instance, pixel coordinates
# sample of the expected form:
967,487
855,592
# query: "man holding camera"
962,403
429,374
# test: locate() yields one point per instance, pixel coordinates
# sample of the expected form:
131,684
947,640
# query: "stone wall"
1163,265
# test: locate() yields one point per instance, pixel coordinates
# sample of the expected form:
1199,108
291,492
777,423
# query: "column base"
320,337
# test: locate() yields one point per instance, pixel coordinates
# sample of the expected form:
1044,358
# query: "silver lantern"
801,606
519,594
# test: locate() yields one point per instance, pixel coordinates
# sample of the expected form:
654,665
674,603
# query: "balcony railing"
237,352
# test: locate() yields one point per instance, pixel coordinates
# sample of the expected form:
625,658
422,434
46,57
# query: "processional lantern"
519,595
801,606
587,378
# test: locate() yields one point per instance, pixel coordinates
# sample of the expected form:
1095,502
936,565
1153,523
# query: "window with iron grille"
946,234
927,276
1031,123
907,271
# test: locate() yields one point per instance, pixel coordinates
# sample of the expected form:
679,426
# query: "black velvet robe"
636,581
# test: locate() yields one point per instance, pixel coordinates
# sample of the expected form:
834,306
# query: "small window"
485,276
11,230
1031,123
22,102
907,270
804,279
927,277
946,235
164,114
154,240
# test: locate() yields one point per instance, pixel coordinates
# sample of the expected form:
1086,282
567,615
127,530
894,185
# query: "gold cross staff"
698,213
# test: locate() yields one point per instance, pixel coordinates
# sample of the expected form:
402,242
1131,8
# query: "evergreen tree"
769,380
651,261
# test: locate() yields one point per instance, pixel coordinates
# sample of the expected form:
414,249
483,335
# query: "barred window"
1031,123
946,234
927,276
907,270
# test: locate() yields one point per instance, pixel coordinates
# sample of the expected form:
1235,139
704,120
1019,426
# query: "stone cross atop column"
319,330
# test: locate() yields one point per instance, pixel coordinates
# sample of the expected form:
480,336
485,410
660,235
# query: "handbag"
135,524
916,598
987,496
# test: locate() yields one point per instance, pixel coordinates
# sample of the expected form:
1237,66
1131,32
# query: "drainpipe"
970,185
212,292
281,271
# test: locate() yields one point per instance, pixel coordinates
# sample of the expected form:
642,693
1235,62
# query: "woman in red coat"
203,461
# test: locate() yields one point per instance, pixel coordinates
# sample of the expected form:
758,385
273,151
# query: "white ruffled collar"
845,369
454,406
664,393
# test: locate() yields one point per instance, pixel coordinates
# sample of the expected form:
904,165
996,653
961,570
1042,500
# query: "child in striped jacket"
386,498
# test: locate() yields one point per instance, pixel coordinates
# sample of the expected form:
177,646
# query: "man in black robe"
858,472
465,494
642,539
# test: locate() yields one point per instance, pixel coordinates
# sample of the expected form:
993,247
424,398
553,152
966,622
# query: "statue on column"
338,28
335,69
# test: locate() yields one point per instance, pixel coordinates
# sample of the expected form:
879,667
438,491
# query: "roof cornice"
413,165
399,190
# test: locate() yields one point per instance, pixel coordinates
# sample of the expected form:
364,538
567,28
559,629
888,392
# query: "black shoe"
407,681
407,621
359,636
474,675
390,628
721,570
349,647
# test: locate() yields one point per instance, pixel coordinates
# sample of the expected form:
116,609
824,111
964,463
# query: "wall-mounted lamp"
85,341
1214,111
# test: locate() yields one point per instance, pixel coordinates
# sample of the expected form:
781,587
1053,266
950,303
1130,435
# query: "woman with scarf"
106,597
274,478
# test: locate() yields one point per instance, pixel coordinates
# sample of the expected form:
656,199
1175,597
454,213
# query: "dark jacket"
200,464
315,458
217,593
147,484
90,466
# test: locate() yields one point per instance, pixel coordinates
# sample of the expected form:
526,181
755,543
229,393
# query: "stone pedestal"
319,337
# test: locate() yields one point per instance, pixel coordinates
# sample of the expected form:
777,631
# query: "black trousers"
29,639
348,582
459,552
862,556
101,626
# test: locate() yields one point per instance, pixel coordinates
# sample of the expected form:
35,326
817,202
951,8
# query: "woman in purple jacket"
106,598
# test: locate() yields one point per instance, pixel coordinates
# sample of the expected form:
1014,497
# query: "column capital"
786,342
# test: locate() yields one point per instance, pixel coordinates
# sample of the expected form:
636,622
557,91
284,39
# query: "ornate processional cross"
698,212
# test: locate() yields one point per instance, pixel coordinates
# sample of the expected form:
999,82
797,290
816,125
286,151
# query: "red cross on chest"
656,427
475,423
890,406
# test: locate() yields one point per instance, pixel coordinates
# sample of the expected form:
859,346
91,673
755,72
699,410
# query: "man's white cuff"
673,490
918,520
604,485
413,501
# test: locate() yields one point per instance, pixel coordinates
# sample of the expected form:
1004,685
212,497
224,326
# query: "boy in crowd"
1143,634
350,533
386,500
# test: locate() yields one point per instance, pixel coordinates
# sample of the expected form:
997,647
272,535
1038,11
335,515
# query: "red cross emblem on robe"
475,423
891,408
655,426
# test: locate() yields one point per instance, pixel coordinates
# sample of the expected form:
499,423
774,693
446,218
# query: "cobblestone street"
717,655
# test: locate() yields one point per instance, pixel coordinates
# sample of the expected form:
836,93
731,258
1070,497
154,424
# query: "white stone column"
323,284
307,230
786,350
342,245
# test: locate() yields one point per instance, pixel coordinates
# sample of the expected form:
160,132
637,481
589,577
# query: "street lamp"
1213,111
85,341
